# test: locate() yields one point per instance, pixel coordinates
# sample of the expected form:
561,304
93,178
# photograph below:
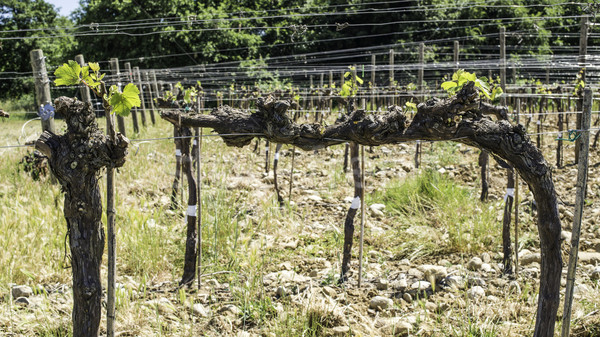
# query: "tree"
26,25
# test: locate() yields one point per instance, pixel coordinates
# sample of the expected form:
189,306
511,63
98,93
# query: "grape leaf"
68,74
94,66
123,102
448,85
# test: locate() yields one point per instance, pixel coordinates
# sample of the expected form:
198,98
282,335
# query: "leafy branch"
121,102
486,86
351,84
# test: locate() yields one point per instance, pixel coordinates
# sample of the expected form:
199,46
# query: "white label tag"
539,122
178,153
355,203
195,142
560,135
510,192
191,210
307,115
277,156
267,149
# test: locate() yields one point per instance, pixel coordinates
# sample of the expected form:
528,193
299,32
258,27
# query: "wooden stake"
582,171
583,43
110,229
138,78
456,55
199,193
292,175
134,119
362,214
518,102
114,69
503,64
373,70
83,89
42,85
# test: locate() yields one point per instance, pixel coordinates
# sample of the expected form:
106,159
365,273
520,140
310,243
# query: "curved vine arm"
461,118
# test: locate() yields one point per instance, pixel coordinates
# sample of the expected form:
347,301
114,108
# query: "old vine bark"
76,159
462,118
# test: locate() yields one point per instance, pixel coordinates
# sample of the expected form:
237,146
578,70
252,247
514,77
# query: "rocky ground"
288,283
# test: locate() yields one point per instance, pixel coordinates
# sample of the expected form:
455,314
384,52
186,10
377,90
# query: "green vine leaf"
449,85
123,102
68,74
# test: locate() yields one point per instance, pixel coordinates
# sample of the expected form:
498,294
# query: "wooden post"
83,90
583,43
114,69
137,77
155,87
518,103
42,86
390,100
362,214
373,69
583,37
199,193
129,76
110,227
151,96
199,216
559,155
582,171
320,105
311,101
503,64
456,55
331,91
421,74
421,87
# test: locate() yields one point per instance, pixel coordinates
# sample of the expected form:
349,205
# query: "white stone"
21,291
199,310
433,273
476,292
381,303
474,264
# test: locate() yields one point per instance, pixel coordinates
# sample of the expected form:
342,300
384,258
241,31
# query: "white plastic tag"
510,192
539,122
177,153
355,203
277,156
191,210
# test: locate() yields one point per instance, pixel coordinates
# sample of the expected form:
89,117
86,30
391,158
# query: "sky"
66,6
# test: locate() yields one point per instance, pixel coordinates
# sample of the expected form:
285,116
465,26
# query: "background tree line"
172,33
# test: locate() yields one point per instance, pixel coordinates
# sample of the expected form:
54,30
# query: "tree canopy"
177,33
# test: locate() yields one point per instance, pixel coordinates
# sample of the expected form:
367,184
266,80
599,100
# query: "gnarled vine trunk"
462,118
76,159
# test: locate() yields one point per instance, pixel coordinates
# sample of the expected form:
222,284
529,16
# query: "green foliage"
20,21
351,84
68,74
71,73
410,106
123,102
461,77
434,200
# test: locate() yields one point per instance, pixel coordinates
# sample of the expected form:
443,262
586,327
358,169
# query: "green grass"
242,232
433,200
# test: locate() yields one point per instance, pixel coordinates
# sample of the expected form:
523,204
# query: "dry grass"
247,236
